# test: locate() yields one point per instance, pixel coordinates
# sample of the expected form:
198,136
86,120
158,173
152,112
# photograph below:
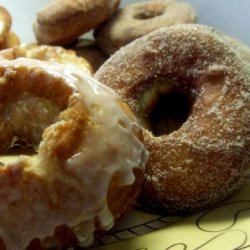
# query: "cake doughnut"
87,49
48,53
191,92
138,19
63,21
86,168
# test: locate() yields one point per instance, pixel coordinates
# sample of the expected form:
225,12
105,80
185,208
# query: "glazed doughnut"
87,166
63,21
190,90
87,49
138,19
48,53
5,22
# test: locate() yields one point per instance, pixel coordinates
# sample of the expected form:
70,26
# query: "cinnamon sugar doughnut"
48,53
139,19
62,21
88,166
5,23
191,91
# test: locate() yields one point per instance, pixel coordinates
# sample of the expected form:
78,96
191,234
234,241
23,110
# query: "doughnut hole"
27,116
27,108
166,106
169,113
148,15
149,11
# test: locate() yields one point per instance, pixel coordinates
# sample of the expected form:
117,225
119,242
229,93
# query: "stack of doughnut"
8,38
61,23
189,86
164,121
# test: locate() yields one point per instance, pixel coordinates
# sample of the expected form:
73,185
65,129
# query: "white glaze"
36,217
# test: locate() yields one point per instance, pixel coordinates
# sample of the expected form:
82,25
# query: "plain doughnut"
138,19
48,53
190,88
87,167
63,21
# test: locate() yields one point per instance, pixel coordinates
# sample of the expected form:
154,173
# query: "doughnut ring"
5,23
62,22
190,89
139,19
62,115
87,49
48,53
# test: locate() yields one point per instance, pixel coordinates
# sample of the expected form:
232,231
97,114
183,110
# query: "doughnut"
5,22
87,49
8,38
190,90
11,40
47,53
138,19
240,47
84,168
62,22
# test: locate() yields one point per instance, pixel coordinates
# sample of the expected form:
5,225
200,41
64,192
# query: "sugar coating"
205,160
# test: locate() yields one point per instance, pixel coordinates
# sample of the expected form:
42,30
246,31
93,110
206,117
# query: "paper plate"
223,227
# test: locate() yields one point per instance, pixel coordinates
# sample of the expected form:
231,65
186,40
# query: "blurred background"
230,16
